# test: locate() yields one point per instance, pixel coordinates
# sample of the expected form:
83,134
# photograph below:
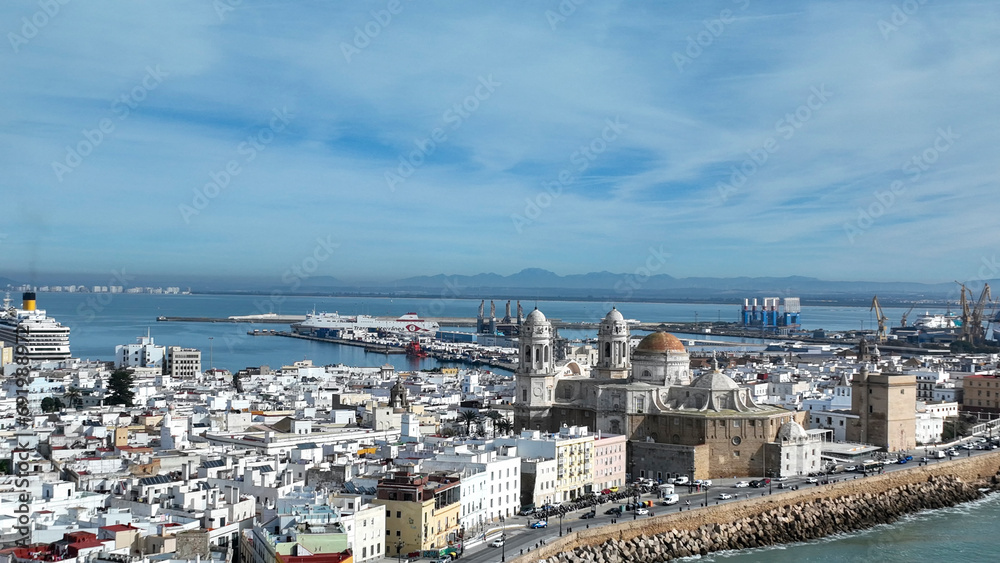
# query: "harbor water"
99,322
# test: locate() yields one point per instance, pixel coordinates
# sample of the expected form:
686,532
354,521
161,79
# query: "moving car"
497,542
590,514
641,511
742,484
812,480
615,510
539,524
726,496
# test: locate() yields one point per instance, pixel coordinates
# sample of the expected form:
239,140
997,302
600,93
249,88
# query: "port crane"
880,316
972,316
902,322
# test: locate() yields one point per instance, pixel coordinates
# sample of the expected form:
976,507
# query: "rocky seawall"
797,516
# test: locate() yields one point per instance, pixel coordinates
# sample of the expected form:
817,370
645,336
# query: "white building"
143,354
495,493
799,451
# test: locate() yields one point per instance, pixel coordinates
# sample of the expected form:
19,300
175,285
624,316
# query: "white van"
671,499
666,489
939,454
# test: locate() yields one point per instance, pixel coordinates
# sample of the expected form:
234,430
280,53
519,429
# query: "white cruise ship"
42,337
321,324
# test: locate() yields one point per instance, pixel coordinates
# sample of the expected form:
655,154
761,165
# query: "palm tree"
72,395
494,417
468,417
504,426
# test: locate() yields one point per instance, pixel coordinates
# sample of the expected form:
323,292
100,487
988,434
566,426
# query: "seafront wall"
787,516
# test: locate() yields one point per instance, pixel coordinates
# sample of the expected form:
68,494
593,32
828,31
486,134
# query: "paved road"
520,537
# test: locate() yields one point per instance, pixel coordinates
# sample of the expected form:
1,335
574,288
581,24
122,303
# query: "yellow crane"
902,322
976,332
880,335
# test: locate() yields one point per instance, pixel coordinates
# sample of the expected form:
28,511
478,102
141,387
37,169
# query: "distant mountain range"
543,284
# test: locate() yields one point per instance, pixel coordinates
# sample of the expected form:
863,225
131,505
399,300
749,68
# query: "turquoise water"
965,533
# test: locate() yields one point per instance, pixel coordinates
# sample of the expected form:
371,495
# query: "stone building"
886,406
704,427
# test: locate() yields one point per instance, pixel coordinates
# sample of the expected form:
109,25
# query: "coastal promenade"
978,467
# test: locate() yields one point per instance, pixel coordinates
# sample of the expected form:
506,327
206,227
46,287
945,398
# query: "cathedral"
702,427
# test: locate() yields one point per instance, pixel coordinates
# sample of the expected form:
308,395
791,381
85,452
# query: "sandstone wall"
810,512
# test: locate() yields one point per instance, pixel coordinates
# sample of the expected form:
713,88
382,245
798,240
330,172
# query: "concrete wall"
967,469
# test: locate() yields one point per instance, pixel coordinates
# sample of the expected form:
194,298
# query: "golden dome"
660,342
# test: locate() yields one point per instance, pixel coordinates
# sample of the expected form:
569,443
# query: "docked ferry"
42,337
322,324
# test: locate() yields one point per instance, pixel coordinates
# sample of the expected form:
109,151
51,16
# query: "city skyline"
385,140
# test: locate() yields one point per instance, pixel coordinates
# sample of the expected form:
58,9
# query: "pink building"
609,461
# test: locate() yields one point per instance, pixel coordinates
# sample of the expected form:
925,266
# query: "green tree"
494,418
51,404
469,418
73,396
120,384
504,426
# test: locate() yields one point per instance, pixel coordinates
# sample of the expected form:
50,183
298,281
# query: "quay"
384,349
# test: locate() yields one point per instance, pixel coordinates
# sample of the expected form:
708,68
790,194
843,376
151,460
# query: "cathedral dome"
715,381
660,342
614,316
535,317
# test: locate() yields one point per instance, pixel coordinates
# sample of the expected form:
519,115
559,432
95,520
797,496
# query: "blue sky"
325,114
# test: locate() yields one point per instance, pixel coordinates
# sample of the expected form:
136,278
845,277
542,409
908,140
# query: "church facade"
702,427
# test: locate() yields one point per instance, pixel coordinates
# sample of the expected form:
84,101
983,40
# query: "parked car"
615,510
682,480
606,492
852,468
527,511
742,484
445,559
539,524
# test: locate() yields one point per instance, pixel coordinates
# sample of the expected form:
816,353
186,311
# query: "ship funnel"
29,300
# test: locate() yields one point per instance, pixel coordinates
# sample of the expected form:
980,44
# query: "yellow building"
421,512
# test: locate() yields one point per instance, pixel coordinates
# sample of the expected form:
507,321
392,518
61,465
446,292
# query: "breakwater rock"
803,520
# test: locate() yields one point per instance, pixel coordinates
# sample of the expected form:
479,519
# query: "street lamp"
503,539
560,524
399,549
461,536
635,505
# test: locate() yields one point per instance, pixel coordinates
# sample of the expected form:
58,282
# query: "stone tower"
535,375
613,355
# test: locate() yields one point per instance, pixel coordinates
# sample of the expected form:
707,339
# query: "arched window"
607,350
546,352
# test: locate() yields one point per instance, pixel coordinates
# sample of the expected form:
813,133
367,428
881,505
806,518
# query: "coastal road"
520,537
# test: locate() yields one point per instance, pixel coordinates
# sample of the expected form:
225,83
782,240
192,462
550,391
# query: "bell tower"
535,374
613,355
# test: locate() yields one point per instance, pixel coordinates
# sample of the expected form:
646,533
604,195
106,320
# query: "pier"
385,349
